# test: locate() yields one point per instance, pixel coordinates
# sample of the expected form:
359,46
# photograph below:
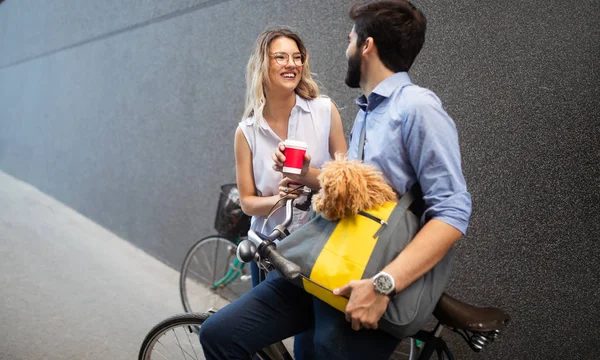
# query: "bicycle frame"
433,343
234,271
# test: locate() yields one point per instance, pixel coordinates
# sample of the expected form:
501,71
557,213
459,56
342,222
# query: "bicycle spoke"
195,260
180,347
198,275
166,348
215,261
183,351
164,357
204,265
206,262
191,345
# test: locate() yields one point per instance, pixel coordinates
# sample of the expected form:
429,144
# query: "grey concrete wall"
126,111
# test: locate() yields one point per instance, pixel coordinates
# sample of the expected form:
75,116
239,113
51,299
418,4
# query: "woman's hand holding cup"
290,158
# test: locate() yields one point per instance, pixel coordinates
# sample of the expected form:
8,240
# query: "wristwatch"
384,284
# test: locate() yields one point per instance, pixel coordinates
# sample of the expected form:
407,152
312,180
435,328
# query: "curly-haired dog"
350,186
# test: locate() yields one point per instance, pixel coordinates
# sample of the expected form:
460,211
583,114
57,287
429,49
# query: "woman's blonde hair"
258,69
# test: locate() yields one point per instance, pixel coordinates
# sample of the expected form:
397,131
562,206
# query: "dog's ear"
328,198
356,195
329,179
319,200
379,190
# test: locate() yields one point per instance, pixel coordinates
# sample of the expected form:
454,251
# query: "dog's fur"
350,186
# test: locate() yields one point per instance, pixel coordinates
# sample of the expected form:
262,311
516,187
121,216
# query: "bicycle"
477,326
211,261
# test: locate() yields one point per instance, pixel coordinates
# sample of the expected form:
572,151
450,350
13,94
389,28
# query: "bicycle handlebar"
276,233
265,247
286,268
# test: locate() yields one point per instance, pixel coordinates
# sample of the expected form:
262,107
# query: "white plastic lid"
296,144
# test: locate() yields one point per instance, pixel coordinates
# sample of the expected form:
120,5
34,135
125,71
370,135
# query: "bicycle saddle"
457,314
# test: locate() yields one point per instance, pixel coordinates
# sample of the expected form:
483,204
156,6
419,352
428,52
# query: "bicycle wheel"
211,276
174,338
178,338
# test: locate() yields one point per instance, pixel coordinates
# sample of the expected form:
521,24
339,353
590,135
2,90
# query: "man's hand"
279,159
366,306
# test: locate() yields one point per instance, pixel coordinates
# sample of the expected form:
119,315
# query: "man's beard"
353,73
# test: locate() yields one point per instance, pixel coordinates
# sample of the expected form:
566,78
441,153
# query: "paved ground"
70,289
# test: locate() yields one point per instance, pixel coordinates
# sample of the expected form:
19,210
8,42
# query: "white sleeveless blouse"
310,122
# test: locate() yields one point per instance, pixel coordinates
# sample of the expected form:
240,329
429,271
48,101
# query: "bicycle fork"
235,269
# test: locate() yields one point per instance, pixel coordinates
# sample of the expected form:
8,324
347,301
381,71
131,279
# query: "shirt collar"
302,103
382,91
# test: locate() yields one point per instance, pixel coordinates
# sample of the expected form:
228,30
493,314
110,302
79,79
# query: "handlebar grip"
286,268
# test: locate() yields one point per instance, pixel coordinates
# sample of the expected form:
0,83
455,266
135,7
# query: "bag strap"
361,141
407,199
413,198
411,201
363,131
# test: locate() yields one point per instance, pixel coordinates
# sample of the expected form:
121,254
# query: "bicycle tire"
222,255
190,323
181,321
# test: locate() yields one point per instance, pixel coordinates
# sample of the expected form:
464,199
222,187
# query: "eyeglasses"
284,58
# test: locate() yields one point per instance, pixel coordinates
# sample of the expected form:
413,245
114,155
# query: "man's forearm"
428,247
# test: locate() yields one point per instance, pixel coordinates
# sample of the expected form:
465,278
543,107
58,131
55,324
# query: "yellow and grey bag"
332,253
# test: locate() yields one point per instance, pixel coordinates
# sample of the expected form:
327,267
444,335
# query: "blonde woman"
282,102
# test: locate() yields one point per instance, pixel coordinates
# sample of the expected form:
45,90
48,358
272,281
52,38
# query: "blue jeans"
303,343
276,309
255,272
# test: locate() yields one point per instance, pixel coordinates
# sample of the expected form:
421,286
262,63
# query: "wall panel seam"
109,34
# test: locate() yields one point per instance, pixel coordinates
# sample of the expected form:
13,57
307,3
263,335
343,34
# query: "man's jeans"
277,309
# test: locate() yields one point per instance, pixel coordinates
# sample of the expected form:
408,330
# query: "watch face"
384,283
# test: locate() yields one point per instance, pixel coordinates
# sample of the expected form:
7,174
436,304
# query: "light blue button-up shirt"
410,138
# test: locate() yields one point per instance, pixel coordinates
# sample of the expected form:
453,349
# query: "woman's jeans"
303,343
277,309
255,272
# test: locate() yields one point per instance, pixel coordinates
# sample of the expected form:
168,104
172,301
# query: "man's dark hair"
396,26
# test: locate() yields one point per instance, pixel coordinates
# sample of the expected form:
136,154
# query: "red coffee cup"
294,156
